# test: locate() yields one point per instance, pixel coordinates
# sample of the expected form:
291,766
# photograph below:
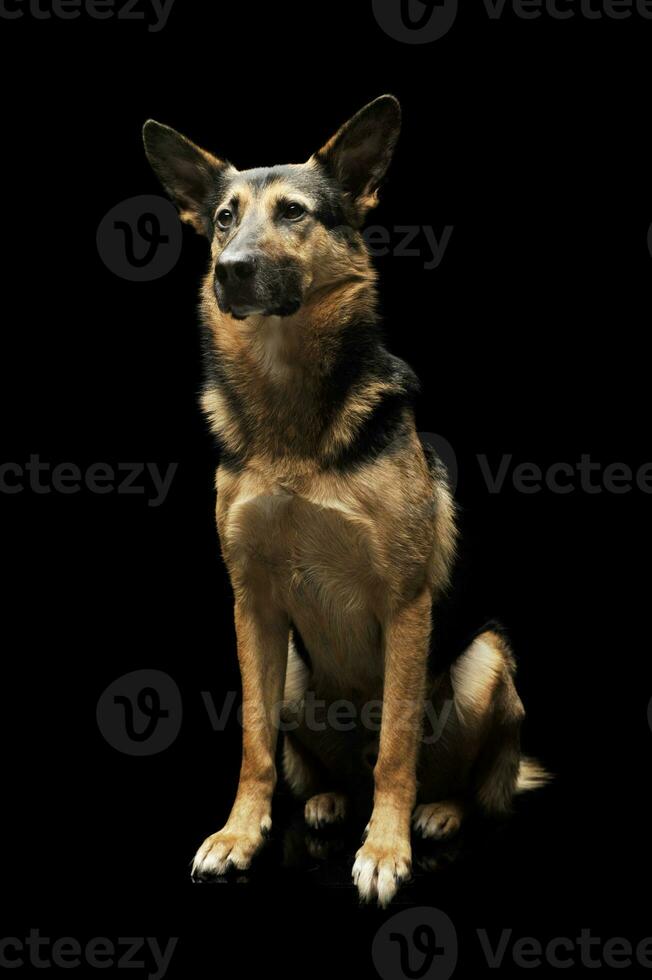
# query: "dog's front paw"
226,850
380,869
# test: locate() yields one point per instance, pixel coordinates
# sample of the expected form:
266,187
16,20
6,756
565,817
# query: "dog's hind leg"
309,780
475,760
324,809
444,765
438,821
500,770
492,713
488,700
305,772
302,771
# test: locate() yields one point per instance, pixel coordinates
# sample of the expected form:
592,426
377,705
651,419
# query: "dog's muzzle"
247,284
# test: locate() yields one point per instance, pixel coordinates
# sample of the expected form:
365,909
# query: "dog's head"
280,232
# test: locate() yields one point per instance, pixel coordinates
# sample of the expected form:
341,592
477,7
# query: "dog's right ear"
189,174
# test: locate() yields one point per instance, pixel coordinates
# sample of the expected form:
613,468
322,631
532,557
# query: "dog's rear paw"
325,809
438,821
226,851
379,872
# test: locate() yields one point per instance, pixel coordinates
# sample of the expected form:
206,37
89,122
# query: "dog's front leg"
385,858
262,634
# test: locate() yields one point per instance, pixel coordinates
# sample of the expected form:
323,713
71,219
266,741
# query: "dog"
337,527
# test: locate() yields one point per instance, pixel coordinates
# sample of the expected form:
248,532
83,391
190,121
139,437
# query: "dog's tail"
531,775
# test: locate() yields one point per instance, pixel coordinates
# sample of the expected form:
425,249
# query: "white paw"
379,871
438,821
228,849
324,809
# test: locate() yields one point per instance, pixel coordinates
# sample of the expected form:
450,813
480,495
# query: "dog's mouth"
272,292
283,309
240,312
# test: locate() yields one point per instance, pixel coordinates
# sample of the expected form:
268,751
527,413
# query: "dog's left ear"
360,153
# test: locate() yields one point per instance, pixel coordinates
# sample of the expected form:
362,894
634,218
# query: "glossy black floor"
530,139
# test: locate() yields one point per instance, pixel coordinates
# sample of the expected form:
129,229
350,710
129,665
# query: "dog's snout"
247,280
235,269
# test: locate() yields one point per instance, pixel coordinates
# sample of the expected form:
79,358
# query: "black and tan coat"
337,531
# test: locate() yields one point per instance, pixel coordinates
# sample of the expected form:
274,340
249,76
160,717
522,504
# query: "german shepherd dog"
337,528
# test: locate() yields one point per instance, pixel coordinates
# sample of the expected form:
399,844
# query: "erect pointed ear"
360,152
189,174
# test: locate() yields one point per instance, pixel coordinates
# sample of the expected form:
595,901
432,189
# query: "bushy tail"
531,775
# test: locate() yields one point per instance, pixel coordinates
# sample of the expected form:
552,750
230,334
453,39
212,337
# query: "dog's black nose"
238,268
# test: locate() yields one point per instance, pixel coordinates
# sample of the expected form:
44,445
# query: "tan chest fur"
334,553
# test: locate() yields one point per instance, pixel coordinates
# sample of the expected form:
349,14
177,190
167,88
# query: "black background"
530,138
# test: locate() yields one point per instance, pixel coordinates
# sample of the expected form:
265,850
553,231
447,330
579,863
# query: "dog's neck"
281,388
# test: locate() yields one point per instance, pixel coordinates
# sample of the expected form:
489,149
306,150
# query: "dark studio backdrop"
525,154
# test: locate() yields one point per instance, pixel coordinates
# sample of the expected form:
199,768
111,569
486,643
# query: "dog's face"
279,233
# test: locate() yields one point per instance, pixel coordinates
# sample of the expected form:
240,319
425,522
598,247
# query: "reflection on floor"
324,858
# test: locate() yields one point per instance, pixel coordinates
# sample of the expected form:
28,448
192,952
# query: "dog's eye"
225,218
293,211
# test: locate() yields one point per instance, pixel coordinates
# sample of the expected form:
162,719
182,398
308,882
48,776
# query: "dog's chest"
314,557
305,544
